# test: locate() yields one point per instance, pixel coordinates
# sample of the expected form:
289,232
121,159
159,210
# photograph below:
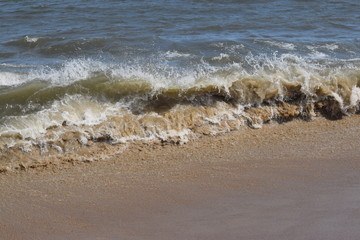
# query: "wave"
249,82
83,101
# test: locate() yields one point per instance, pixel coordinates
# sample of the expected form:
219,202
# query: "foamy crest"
161,76
318,55
11,78
31,39
69,72
73,110
355,97
332,46
283,45
176,54
221,56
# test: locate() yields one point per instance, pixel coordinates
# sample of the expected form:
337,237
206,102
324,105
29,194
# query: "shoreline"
295,180
64,143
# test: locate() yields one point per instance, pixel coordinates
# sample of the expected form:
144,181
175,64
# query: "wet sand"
299,180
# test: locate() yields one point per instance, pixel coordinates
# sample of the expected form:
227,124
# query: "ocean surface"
120,71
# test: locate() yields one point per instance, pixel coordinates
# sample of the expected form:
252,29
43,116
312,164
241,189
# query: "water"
83,66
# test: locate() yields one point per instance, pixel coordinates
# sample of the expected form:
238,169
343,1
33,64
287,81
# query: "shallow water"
172,68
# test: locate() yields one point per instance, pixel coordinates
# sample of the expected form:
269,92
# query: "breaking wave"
82,102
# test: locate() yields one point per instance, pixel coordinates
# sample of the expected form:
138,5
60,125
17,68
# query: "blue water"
129,29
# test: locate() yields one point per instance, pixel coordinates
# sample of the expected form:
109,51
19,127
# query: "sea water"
120,71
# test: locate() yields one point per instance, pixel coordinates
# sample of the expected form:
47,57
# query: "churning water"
119,71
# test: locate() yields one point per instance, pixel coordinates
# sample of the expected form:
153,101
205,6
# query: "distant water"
129,70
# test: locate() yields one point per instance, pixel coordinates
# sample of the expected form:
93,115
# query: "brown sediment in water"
298,180
183,123
173,116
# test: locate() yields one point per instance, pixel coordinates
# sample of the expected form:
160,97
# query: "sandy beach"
298,180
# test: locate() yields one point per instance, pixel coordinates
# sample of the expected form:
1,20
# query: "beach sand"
298,180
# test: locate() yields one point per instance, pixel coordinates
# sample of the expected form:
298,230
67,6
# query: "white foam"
318,55
355,96
221,56
234,48
31,39
310,47
75,110
175,54
11,78
70,71
283,45
161,75
332,46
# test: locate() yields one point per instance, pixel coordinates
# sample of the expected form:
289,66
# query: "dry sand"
299,180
